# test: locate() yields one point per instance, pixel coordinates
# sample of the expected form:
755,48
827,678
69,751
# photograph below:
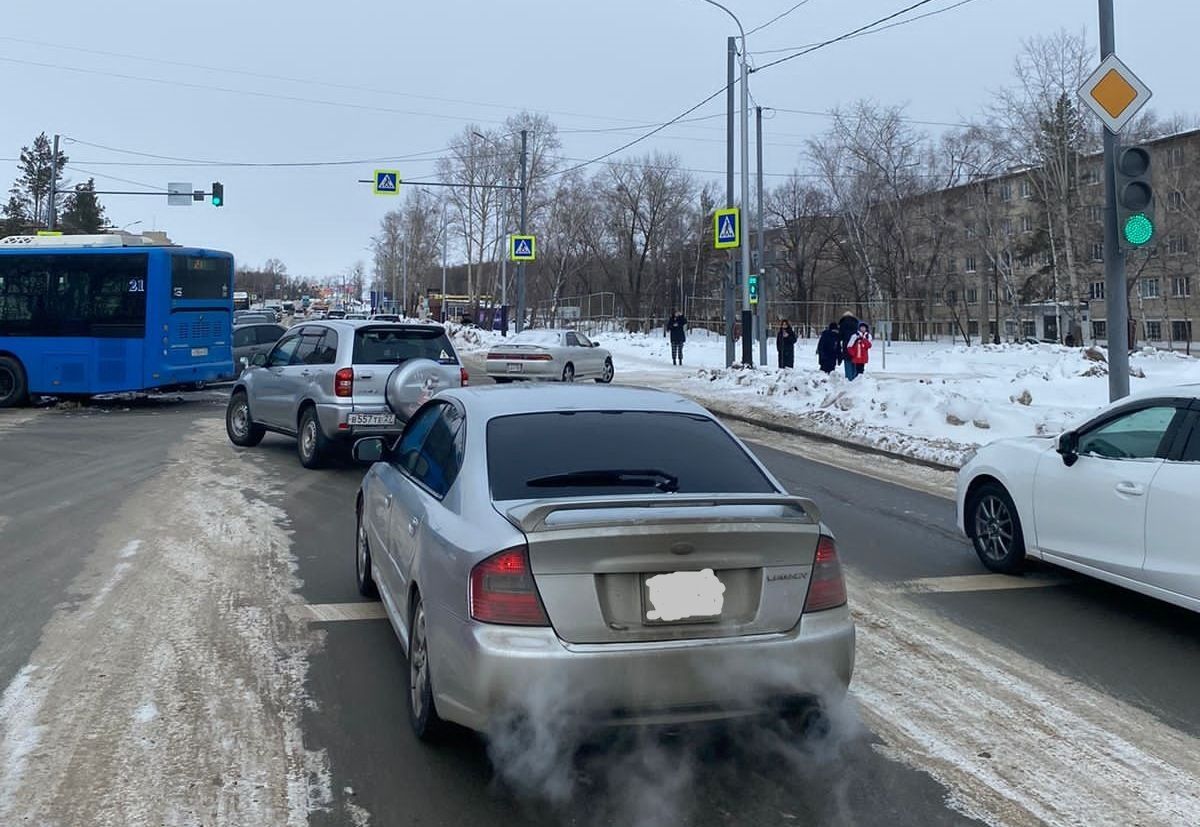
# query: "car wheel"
362,562
996,529
422,714
607,375
242,430
14,389
568,374
311,442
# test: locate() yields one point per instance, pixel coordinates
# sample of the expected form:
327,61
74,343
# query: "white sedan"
1117,498
557,355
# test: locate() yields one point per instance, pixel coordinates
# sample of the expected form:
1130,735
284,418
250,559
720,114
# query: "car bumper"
335,421
482,674
528,370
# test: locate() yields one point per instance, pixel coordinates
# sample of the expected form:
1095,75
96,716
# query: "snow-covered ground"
927,400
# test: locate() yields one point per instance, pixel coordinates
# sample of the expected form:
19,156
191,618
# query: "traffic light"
218,194
753,289
1135,197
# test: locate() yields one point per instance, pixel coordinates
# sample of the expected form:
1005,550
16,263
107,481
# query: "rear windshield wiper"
633,477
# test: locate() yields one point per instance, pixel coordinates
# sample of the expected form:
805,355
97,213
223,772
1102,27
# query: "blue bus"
86,315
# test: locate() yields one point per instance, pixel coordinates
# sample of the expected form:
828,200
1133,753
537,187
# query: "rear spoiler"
532,517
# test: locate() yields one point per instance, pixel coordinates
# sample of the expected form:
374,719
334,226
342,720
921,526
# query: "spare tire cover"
412,384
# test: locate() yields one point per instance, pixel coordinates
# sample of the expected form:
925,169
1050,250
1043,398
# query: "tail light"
463,376
343,382
826,586
502,591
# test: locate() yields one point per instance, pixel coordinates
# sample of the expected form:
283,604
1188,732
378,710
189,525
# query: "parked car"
336,314
356,315
253,317
251,338
622,543
327,383
559,355
385,317
1115,498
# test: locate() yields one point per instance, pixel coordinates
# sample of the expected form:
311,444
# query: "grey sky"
591,65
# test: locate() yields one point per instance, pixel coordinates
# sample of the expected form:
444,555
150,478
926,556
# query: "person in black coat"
829,348
677,330
785,343
847,327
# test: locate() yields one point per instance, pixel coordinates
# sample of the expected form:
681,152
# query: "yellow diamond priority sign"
1114,93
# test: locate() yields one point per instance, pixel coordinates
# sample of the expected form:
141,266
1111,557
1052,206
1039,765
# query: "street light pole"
444,242
524,214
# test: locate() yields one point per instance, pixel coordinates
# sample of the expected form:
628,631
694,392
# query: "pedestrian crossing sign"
727,228
387,182
522,248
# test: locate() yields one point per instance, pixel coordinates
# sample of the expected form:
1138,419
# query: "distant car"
329,382
1114,498
356,315
276,309
251,338
336,314
621,544
253,317
385,317
560,355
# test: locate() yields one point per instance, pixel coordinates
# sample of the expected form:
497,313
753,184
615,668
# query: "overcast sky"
274,81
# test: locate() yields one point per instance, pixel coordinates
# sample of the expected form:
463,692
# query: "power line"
201,162
815,113
777,17
878,30
113,177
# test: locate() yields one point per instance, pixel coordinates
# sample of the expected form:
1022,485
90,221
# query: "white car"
558,355
1117,498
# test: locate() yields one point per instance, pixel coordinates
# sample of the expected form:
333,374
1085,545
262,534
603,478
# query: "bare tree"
801,216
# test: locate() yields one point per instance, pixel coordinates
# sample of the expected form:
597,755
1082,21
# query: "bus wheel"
14,390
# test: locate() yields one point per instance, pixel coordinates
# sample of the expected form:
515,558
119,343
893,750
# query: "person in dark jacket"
847,327
829,347
785,344
677,330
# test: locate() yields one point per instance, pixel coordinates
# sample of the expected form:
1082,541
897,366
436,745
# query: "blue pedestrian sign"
522,248
387,182
727,228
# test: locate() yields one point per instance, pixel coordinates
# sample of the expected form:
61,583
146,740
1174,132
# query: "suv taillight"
502,591
463,376
343,382
826,587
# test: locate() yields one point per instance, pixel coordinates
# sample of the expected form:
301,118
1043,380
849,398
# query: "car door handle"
1130,488
306,373
412,525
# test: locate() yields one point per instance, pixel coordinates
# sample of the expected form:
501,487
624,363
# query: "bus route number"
137,285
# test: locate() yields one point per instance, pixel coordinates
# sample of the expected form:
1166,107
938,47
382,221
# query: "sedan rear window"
394,345
596,453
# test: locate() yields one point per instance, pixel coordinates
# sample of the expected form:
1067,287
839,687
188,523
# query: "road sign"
727,228
1114,93
387,182
179,195
522,248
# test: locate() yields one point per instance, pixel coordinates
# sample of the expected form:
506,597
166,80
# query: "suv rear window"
393,345
693,449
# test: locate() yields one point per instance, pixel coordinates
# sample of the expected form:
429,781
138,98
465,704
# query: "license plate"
199,351
515,367
371,419
682,597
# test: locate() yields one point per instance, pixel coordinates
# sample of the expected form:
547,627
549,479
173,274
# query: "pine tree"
16,219
82,212
33,185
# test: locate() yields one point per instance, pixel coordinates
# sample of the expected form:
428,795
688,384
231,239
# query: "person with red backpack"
858,349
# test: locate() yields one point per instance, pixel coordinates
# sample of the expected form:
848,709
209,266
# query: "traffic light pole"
760,244
524,210
1115,289
731,50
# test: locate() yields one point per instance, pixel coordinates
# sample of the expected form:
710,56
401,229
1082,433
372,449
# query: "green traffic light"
1138,229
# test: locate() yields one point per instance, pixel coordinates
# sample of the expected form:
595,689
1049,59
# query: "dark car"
251,338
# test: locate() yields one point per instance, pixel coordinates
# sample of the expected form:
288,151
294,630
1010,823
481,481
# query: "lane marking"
979,583
335,612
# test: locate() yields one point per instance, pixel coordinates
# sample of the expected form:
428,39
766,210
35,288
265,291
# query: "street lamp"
747,311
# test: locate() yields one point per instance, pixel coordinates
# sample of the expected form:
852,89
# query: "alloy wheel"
308,438
363,575
418,660
994,527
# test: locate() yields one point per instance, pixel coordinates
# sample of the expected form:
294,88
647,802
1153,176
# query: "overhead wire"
777,17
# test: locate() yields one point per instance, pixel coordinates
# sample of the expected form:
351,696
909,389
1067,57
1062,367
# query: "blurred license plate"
682,597
515,367
199,351
371,419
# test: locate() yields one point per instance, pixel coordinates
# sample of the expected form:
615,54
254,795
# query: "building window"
1006,226
1091,175
951,297
1047,259
1026,189
1096,293
970,264
1027,260
1098,251
1148,288
1177,244
939,297
970,231
1175,156
992,329
1095,213
991,295
1175,199
1099,330
1026,224
1029,330
1181,287
972,328
1006,192
1154,331
972,295
1181,331
950,262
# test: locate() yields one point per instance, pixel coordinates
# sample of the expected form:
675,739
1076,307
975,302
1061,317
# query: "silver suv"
328,383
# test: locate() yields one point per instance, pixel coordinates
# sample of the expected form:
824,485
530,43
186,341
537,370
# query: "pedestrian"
785,343
847,327
677,330
828,348
858,349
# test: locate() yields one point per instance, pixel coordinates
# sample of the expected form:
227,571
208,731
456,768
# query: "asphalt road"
1059,700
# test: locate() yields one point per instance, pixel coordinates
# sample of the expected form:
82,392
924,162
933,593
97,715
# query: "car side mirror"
1068,445
369,449
595,344
259,360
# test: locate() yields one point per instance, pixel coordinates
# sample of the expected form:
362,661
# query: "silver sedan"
615,555
557,355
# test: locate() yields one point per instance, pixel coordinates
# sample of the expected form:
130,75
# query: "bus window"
73,295
193,277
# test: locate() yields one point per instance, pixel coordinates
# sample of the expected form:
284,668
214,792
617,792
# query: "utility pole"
747,312
444,242
51,210
524,216
762,262
1117,310
404,260
731,49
